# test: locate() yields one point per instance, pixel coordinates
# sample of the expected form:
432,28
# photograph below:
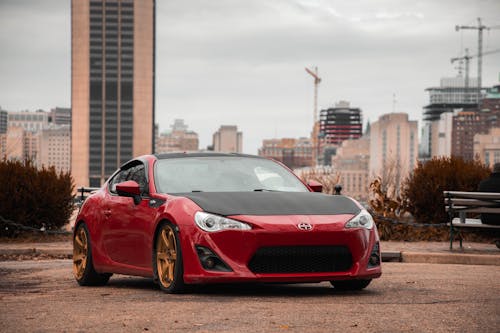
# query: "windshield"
223,174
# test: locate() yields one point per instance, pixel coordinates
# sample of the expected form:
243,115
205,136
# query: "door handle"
107,213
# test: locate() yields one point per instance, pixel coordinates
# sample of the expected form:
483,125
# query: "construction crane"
467,58
480,27
317,80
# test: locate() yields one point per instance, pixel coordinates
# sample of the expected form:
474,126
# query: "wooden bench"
469,202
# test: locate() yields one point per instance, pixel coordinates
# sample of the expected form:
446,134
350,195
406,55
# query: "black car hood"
273,203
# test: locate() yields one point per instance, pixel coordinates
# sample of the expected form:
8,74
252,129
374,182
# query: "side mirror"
131,189
315,186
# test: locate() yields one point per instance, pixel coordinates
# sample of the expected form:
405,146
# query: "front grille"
301,259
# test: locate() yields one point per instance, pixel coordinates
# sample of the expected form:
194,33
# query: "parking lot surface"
409,297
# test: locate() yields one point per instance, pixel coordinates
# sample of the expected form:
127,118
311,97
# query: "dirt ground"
42,296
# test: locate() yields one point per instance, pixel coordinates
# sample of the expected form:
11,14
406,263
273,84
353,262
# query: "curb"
451,258
387,256
35,251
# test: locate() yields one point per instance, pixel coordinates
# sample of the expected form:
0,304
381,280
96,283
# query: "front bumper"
275,250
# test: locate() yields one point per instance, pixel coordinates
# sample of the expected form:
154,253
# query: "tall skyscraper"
112,93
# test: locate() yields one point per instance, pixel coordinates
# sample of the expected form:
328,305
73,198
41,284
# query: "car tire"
168,268
83,265
346,285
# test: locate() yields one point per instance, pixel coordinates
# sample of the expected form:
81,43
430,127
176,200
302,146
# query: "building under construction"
340,123
453,93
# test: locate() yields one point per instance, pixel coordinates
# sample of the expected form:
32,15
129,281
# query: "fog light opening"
374,259
210,261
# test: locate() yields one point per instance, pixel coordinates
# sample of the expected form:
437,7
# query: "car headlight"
362,220
212,223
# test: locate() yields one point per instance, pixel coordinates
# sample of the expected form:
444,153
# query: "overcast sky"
241,62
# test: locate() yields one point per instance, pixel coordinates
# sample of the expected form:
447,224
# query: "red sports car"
197,218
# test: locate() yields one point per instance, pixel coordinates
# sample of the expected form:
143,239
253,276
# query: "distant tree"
34,197
423,189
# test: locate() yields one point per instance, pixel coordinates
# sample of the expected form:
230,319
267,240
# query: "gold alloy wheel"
80,253
166,256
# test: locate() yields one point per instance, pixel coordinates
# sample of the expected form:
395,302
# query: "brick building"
294,153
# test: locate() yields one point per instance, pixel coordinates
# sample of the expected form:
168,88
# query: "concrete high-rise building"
487,147
3,121
60,116
441,135
55,147
31,121
424,147
294,153
352,163
490,108
20,144
179,138
228,139
112,100
466,124
393,145
12,143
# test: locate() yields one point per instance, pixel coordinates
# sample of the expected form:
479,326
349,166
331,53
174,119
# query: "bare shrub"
324,176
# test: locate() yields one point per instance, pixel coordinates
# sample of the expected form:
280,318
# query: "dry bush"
421,195
384,203
385,198
423,189
34,197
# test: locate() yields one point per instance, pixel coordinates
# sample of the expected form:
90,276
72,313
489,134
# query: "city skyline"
243,63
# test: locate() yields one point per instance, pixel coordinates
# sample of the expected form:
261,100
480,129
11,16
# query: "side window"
138,173
119,178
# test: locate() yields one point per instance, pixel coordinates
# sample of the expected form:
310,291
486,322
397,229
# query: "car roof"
201,154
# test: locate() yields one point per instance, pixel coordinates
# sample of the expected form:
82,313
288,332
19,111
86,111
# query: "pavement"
398,251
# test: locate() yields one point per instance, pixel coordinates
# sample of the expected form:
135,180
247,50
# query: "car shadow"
244,289
274,290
